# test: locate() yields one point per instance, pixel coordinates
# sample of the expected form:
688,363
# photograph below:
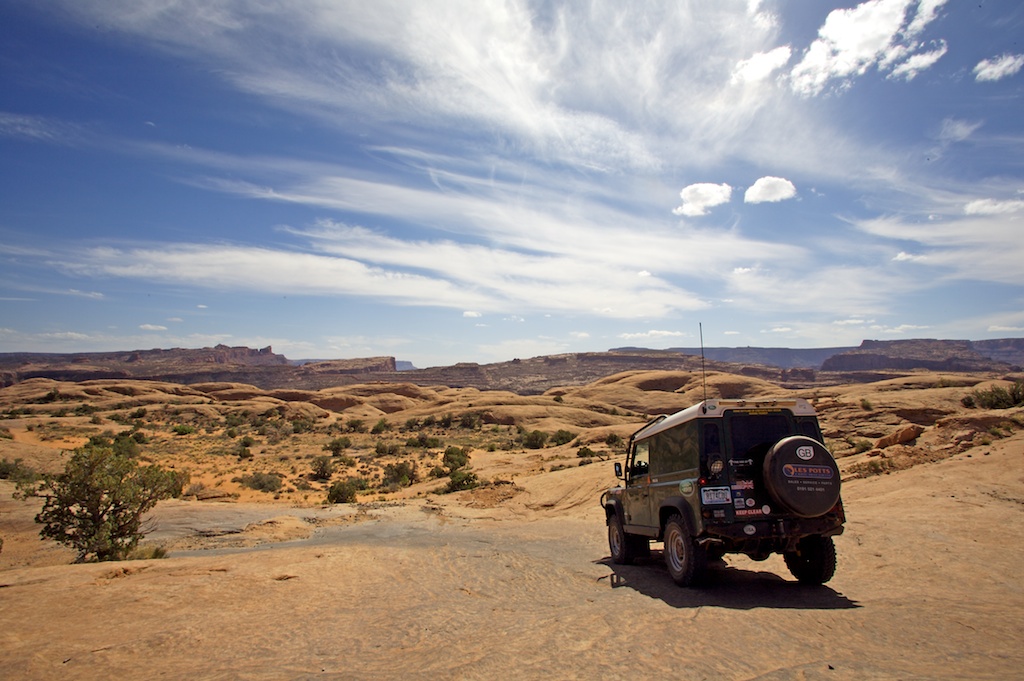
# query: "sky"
481,180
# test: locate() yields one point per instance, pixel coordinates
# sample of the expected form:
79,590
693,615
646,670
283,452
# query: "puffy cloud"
152,327
769,189
998,67
698,198
872,34
470,314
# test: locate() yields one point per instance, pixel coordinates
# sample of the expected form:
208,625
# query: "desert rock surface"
513,579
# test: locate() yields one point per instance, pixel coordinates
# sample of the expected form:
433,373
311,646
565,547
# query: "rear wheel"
813,561
684,558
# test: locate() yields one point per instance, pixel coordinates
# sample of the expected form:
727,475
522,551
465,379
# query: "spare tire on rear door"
802,476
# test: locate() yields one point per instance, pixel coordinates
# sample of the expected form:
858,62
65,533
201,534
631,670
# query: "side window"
641,459
674,450
809,427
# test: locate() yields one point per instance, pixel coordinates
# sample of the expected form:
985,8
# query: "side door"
636,500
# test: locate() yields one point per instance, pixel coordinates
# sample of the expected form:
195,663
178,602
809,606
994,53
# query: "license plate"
715,495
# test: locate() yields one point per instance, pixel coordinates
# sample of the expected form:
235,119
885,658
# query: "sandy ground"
928,587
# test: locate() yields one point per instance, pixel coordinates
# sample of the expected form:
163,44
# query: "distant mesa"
263,368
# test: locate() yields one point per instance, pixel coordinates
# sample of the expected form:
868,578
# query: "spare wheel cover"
802,476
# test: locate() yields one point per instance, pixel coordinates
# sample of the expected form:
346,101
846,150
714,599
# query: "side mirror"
618,470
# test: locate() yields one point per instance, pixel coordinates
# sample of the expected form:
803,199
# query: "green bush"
380,427
613,440
997,397
183,429
338,445
97,504
387,449
425,441
15,471
535,439
356,425
585,452
562,437
401,474
461,480
261,482
323,468
455,458
345,492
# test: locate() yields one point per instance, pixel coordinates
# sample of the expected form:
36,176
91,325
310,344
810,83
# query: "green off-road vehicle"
729,476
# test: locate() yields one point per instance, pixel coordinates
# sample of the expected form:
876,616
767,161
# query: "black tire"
685,559
619,543
813,561
801,476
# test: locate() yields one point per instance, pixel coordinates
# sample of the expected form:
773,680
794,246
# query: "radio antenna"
703,372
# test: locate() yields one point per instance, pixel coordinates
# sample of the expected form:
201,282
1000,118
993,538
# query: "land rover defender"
728,476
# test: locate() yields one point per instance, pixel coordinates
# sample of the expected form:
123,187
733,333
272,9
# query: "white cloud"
652,335
698,198
998,68
874,34
916,63
903,256
995,328
954,130
761,65
152,327
993,207
769,189
470,314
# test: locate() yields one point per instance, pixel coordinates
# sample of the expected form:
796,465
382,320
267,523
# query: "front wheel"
684,558
813,561
618,544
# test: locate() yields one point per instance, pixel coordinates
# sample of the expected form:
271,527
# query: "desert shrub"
429,421
558,398
16,471
356,425
461,480
124,443
997,397
5,433
438,472
344,492
471,420
535,439
455,458
445,421
387,449
323,468
380,427
412,424
261,482
97,504
402,474
302,426
151,552
183,429
585,452
425,441
562,437
866,405
338,445
613,440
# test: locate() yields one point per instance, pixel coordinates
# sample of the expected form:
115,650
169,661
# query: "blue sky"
478,180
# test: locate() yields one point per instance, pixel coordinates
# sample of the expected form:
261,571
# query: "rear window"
752,431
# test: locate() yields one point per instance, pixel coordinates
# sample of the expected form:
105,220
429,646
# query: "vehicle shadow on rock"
724,586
